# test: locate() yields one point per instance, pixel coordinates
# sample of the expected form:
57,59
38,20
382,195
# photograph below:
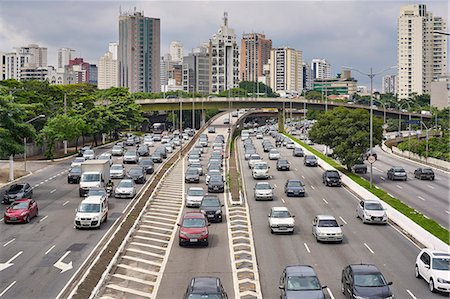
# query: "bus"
158,128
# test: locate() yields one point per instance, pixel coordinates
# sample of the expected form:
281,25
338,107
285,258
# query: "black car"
283,164
298,152
137,174
157,157
294,187
192,175
17,191
205,287
310,160
211,208
143,150
216,184
74,175
147,164
364,281
424,174
331,178
359,167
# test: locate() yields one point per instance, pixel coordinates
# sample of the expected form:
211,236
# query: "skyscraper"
64,56
107,71
224,59
255,52
389,84
196,72
113,47
421,53
176,51
321,69
139,52
286,70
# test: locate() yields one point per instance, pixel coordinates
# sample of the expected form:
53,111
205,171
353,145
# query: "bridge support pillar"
202,118
281,120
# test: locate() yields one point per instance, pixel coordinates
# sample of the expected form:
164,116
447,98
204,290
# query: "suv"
300,281
74,175
364,281
92,212
205,287
433,266
331,178
263,190
17,191
260,170
424,174
371,211
193,229
281,220
326,228
397,173
211,208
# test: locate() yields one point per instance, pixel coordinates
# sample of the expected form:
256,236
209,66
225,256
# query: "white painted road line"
50,249
447,212
429,186
282,199
66,203
382,177
370,249
324,200
295,169
53,191
312,187
421,198
411,294
274,185
377,169
45,217
342,219
7,288
307,248
303,177
37,185
329,293
399,187
9,242
46,180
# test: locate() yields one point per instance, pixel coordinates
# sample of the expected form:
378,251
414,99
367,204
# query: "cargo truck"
94,173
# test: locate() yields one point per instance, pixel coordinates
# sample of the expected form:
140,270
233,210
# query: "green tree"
252,88
313,95
346,131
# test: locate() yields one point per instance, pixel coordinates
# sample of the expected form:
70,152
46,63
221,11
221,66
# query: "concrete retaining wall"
412,228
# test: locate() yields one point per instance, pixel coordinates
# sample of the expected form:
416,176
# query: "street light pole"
25,142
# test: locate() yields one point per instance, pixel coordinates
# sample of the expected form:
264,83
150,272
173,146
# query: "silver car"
263,190
77,162
117,150
89,154
117,171
194,196
130,156
274,154
325,228
371,211
125,189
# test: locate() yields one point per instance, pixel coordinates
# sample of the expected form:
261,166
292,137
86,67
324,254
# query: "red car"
193,229
21,210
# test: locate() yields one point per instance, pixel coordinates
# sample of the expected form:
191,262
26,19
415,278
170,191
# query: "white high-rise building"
29,58
38,54
113,48
421,53
176,51
64,56
286,71
321,69
224,59
108,71
389,84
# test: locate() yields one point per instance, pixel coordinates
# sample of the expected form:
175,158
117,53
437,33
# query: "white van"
92,212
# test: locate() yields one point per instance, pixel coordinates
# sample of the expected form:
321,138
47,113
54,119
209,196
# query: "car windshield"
310,157
283,162
441,264
261,166
19,205
79,160
214,172
15,188
274,151
76,169
398,169
89,208
328,223
332,174
216,179
427,170
96,192
117,147
373,206
117,167
91,177
263,186
135,171
302,283
295,184
195,192
192,171
193,222
125,184
255,157
210,202
369,280
146,162
280,214
89,152
130,154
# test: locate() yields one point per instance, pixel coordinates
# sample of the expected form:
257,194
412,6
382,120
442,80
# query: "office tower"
421,52
38,54
113,47
286,74
321,69
224,59
64,56
108,71
176,51
255,52
307,77
84,72
139,52
196,72
389,84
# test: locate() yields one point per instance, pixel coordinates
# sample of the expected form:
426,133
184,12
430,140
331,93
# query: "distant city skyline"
360,34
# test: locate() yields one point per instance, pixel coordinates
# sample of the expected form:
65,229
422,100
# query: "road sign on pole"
412,122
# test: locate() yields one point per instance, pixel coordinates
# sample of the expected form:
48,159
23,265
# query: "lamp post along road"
25,142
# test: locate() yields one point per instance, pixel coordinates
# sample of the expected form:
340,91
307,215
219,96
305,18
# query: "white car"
165,139
259,136
194,196
281,220
77,162
434,267
254,158
274,154
107,157
117,150
148,141
125,189
117,171
89,154
326,228
260,170
263,190
290,144
371,211
193,159
92,212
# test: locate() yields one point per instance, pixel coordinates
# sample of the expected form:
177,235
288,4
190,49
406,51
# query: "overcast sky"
360,34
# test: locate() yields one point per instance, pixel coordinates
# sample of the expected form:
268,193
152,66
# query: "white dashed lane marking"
9,242
324,200
447,212
66,203
282,199
382,177
370,249
411,294
342,219
399,187
421,198
43,219
50,249
312,187
307,248
303,177
429,186
53,191
7,288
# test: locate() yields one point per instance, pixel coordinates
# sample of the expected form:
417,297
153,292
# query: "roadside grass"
428,224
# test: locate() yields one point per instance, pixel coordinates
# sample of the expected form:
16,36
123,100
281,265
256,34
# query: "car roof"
371,201
364,268
279,209
92,199
325,217
300,270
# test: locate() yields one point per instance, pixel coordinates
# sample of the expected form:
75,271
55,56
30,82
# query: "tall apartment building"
139,52
196,72
255,52
389,84
176,51
31,59
64,56
321,69
2,66
421,53
286,73
224,59
113,48
84,72
108,75
38,54
307,77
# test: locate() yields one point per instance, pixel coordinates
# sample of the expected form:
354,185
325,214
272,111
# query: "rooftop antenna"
225,19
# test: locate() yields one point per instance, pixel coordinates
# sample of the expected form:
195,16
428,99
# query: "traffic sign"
371,159
412,122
